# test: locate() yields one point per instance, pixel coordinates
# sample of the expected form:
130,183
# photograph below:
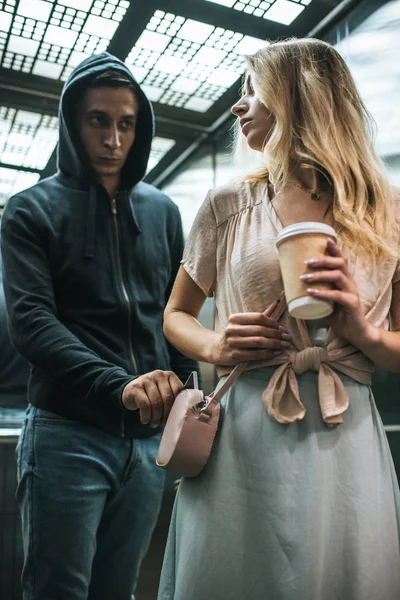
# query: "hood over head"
72,160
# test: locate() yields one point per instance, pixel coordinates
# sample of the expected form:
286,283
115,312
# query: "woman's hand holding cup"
347,319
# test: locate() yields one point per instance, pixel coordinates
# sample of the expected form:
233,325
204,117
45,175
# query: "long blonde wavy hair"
321,122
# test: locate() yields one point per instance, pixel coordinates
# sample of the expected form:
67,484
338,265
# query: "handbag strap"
217,396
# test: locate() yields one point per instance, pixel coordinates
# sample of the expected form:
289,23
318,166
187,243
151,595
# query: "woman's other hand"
250,337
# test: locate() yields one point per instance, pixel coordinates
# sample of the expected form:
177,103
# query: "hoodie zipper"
125,295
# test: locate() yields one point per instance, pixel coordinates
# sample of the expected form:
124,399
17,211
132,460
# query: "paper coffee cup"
296,244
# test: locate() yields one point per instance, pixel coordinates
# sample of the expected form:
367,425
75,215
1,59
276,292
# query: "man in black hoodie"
90,256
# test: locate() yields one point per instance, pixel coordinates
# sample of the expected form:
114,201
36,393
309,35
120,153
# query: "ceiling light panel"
280,11
159,148
51,37
13,181
187,63
26,138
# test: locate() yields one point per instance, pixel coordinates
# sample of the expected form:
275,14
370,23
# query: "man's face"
106,121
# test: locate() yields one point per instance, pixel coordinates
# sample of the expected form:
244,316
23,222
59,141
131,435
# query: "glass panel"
13,181
191,63
280,11
284,11
26,139
228,3
370,44
191,184
159,148
50,37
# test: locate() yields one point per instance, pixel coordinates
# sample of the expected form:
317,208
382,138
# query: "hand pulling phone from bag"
191,426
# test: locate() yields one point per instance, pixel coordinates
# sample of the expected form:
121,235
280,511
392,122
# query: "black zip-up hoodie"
86,286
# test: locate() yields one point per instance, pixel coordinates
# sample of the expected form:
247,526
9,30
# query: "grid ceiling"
51,37
188,60
186,63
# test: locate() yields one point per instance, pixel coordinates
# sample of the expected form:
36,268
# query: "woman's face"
256,120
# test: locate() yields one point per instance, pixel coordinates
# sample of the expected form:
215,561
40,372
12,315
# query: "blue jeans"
89,503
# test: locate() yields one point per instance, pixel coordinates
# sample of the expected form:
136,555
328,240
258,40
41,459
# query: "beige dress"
287,508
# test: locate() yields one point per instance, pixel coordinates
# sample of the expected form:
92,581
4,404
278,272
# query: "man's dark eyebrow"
131,117
100,113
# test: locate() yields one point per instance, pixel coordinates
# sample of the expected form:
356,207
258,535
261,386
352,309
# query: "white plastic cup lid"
306,227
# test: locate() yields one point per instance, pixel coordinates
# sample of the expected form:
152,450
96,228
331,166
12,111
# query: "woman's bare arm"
181,325
247,336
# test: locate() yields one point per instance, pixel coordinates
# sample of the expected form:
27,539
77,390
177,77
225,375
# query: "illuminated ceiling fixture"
51,37
187,63
27,139
159,148
13,181
280,11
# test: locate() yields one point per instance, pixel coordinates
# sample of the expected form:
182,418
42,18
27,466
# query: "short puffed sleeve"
200,254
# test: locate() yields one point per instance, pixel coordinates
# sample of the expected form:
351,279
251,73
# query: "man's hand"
153,394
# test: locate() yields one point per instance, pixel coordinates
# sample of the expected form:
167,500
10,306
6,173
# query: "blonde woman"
299,499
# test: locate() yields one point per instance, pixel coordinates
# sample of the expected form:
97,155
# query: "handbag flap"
184,405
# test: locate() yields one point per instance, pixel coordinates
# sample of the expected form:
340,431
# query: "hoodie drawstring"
91,223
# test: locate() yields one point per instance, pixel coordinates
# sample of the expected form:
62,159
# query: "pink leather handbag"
191,426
